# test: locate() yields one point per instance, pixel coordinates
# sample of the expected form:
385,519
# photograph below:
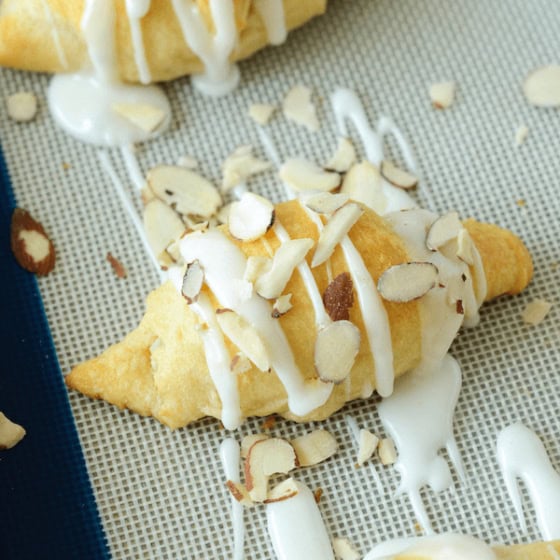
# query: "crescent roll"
161,368
45,35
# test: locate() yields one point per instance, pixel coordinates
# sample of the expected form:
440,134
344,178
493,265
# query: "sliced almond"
10,432
465,247
250,217
265,458
335,229
239,492
303,175
239,166
363,184
240,364
339,297
343,550
162,226
192,281
22,106
145,117
256,266
281,306
187,161
408,281
344,157
271,284
188,192
298,107
521,135
444,229
314,448
116,265
397,176
542,86
336,348
283,491
30,243
442,94
325,202
245,337
367,444
535,312
261,112
223,213
248,441
387,451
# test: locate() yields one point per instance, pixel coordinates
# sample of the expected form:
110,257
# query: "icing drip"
224,266
230,455
521,454
55,35
272,14
134,172
136,10
220,75
296,528
419,418
447,546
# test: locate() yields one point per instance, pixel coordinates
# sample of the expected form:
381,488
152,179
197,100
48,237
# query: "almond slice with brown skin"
10,433
283,491
542,86
363,184
444,229
265,458
302,175
239,166
336,348
339,297
248,441
367,444
244,336
397,176
407,281
240,493
314,448
325,202
335,229
344,157
271,284
250,217
189,193
465,247
281,306
192,281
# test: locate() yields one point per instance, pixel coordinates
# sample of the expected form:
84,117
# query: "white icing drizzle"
521,454
133,167
220,75
54,34
136,10
355,431
447,546
419,418
230,455
272,14
224,266
296,528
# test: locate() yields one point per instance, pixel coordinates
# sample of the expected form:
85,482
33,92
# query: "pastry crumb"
521,135
318,494
521,202
535,311
268,423
116,265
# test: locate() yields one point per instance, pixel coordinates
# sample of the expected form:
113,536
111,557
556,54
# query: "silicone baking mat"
160,494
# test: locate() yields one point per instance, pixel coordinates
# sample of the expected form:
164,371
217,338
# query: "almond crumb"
22,106
442,94
344,550
318,494
368,443
542,86
298,107
535,312
521,202
261,112
268,422
387,451
521,134
10,432
117,266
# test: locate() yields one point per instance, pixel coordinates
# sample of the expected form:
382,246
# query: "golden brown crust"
531,551
179,389
27,35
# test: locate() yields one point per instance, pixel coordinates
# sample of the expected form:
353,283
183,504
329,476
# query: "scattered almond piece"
465,247
521,134
298,107
318,494
397,176
281,306
302,175
30,243
187,161
145,117
344,157
387,452
265,458
250,217
22,106
239,166
542,86
269,422
444,229
363,184
261,112
335,229
324,202
343,549
116,265
256,266
10,432
239,492
408,281
442,94
339,297
223,213
290,254
367,444
192,281
239,364
283,491
535,312
336,348
314,448
248,441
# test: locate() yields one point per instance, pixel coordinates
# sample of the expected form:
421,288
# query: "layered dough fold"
160,368
45,35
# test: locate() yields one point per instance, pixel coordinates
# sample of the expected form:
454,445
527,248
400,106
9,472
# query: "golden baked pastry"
530,551
45,35
160,369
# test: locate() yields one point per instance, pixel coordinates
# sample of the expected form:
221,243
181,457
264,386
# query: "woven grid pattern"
160,494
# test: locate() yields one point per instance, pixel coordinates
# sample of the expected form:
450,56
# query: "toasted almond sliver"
257,265
444,229
239,166
314,448
10,432
387,451
363,184
302,175
367,445
239,492
465,247
542,86
344,157
335,229
298,107
248,441
192,281
22,106
283,491
281,306
240,364
398,177
344,550
261,112
250,217
442,94
163,227
535,312
324,202
143,116
407,282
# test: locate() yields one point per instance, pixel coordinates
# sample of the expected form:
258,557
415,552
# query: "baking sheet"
160,493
